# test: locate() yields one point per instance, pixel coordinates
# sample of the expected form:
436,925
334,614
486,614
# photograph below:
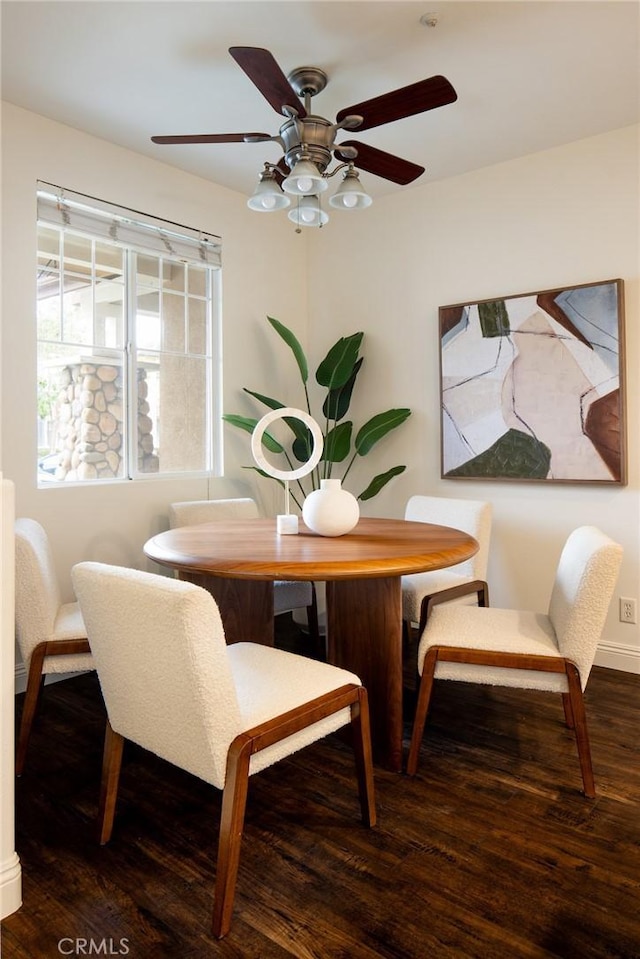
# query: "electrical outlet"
628,610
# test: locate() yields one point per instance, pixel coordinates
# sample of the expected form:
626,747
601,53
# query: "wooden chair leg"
568,712
314,628
364,762
580,730
35,682
234,801
111,764
422,708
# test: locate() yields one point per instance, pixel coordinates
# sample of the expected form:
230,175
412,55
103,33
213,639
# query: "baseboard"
21,678
617,656
10,886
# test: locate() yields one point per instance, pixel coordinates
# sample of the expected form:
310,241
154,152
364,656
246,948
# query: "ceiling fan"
308,140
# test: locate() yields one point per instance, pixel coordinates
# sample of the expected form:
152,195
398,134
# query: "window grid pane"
173,322
85,316
172,419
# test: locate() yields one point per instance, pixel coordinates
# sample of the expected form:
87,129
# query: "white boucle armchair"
465,581
51,635
287,594
507,647
222,712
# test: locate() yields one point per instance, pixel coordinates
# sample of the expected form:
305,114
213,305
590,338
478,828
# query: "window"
128,343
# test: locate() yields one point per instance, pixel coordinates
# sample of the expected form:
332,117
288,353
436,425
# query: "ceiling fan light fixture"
268,196
350,195
307,212
305,180
308,140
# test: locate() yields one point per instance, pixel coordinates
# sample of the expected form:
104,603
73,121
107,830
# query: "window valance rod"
98,218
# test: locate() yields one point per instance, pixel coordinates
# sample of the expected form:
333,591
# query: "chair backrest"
210,510
159,649
470,515
584,583
37,589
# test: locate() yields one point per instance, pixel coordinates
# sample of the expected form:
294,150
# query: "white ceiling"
529,75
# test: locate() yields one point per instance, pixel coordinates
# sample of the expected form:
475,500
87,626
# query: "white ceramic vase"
330,510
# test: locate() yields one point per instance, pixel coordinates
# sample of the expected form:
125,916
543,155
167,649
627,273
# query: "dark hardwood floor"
491,852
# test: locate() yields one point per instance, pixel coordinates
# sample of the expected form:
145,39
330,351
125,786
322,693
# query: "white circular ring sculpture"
286,523
267,420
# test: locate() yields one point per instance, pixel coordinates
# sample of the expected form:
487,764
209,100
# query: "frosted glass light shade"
350,195
305,180
308,213
268,196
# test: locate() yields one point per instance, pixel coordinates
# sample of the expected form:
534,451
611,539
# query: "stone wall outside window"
89,432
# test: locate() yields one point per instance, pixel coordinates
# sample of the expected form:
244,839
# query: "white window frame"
138,233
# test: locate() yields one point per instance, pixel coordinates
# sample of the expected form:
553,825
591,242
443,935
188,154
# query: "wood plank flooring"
491,852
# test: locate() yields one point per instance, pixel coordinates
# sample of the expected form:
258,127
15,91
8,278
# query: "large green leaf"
248,424
337,443
379,481
303,443
294,345
299,430
336,405
297,427
377,427
257,469
338,364
267,400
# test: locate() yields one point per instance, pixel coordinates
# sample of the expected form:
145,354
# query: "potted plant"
337,374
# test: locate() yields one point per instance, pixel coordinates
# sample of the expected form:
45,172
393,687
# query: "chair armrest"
477,586
294,720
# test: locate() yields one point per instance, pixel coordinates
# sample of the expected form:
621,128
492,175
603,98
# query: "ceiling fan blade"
281,171
386,165
212,138
405,102
262,69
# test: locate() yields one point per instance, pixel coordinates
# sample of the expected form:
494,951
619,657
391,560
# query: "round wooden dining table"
238,560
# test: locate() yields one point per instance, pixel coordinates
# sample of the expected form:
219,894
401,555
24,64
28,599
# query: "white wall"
111,523
10,869
561,217
565,216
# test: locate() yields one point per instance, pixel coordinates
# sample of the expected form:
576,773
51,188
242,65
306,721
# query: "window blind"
131,228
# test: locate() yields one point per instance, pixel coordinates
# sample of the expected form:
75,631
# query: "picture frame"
532,386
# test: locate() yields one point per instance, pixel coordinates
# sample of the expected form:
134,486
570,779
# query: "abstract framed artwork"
532,386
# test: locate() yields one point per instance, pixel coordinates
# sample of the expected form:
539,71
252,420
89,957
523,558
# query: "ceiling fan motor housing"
311,135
